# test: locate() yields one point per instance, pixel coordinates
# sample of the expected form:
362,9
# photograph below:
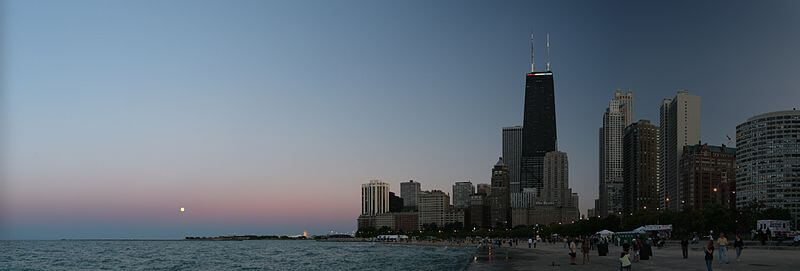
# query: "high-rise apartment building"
499,199
708,176
768,161
512,155
618,115
480,212
680,126
433,206
556,179
640,167
374,198
409,191
462,193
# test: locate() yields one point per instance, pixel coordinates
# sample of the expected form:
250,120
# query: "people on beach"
709,250
573,252
738,244
722,242
585,249
685,247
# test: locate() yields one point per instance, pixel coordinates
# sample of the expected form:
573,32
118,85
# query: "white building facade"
374,198
618,115
525,199
768,161
432,207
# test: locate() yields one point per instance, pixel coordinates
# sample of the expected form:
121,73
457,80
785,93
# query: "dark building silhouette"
395,203
538,127
640,167
479,211
499,199
708,176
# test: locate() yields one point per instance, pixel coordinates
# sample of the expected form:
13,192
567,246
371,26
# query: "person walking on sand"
585,249
573,252
709,250
722,242
738,244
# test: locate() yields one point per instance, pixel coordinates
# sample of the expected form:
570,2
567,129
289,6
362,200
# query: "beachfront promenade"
555,257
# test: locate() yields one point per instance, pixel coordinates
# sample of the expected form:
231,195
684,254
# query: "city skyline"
222,110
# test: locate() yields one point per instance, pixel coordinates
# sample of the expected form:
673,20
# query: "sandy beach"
555,257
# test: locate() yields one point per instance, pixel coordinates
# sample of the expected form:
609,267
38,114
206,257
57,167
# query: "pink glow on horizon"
131,203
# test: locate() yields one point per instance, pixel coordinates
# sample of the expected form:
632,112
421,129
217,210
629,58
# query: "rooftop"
793,112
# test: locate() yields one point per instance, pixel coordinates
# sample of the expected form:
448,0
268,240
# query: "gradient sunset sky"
265,117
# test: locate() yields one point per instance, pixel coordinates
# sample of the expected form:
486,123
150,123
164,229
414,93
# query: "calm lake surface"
226,255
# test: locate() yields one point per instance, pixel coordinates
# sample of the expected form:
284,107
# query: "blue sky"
266,116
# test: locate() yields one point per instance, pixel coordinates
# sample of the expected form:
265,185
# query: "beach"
555,257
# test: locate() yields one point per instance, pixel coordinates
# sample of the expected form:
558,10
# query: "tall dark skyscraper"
538,123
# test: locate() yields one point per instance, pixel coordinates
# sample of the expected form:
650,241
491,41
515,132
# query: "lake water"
227,255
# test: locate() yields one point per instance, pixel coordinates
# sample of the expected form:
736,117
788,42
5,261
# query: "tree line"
684,223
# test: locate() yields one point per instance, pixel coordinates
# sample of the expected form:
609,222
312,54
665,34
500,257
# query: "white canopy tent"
604,233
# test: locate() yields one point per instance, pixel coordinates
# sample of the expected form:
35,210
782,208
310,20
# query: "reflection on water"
227,255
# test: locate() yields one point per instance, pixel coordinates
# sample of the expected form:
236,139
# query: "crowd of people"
638,249
633,250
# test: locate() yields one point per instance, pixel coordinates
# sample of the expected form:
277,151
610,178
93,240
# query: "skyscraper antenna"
533,60
548,51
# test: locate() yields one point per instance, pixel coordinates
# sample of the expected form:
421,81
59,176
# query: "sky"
265,117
